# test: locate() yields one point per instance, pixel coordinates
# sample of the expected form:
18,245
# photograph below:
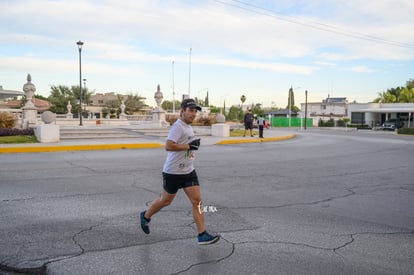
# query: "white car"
392,124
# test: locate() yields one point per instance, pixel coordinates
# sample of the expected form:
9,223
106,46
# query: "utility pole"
290,104
189,75
306,107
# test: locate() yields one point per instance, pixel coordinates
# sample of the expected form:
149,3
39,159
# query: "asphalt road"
322,203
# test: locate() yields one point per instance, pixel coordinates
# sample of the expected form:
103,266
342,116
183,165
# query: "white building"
370,114
374,114
332,107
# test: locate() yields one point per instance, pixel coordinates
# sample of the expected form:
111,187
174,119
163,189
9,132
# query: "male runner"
178,172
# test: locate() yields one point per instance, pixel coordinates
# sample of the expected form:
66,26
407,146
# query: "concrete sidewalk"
142,142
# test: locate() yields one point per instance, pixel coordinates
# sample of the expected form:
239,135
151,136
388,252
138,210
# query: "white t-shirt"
180,162
260,121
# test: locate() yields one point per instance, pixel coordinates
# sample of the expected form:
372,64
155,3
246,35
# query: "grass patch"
240,133
18,139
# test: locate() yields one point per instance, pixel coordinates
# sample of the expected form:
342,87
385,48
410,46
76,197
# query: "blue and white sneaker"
144,223
205,238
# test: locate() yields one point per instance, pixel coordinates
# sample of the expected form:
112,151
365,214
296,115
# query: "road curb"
118,146
58,148
251,140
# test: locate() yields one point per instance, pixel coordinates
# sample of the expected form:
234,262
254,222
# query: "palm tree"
243,99
386,97
134,103
407,95
397,95
59,98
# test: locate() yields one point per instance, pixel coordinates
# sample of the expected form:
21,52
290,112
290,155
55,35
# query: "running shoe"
144,223
205,238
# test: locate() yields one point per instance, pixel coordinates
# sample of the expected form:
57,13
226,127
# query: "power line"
312,24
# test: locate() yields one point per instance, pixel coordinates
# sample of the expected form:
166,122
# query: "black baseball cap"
190,103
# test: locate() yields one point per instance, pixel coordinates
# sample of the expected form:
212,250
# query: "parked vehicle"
266,125
392,124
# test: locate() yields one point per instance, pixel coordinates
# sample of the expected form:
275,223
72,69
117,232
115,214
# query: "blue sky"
342,48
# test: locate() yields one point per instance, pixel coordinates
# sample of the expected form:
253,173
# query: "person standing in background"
261,123
248,122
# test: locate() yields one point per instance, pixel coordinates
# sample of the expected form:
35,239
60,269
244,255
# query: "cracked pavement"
322,203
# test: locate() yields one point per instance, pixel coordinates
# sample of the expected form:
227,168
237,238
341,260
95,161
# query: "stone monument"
122,115
47,132
158,114
220,129
69,114
29,118
48,117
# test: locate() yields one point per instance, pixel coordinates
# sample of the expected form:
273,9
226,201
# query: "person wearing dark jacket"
248,122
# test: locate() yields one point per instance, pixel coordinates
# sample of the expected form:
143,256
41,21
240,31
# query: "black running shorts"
172,183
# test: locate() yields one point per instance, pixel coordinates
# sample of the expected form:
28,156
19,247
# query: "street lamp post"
189,74
80,44
306,107
85,102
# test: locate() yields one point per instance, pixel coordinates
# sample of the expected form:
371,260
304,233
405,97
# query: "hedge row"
16,132
406,131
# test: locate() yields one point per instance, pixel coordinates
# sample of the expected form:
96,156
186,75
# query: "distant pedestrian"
178,172
261,122
248,122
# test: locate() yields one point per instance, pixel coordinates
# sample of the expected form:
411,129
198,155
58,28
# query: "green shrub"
340,123
359,126
406,131
329,123
364,126
7,120
321,123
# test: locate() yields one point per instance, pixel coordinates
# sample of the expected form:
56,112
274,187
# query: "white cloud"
216,28
62,66
362,69
325,64
141,38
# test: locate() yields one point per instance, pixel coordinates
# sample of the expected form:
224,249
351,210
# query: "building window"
357,118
